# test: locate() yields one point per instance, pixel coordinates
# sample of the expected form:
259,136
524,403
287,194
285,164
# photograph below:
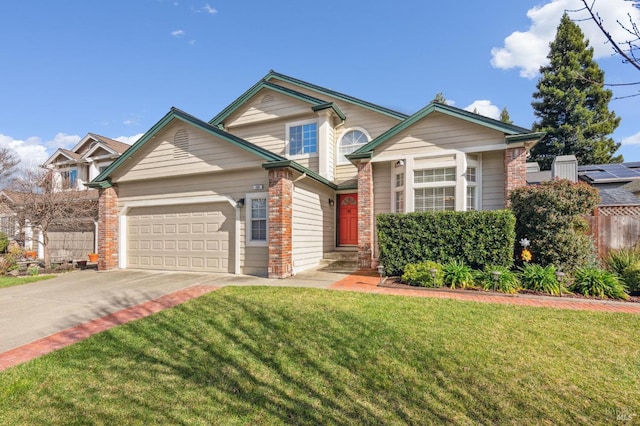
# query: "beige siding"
493,180
253,260
267,105
313,229
381,194
269,135
206,153
345,172
439,132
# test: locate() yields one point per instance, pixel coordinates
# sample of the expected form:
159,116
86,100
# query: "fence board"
613,232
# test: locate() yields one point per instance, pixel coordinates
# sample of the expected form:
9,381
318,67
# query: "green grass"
302,356
11,281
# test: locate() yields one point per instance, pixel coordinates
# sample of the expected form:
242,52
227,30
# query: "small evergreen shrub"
419,274
507,282
9,261
457,275
551,216
599,283
541,278
476,237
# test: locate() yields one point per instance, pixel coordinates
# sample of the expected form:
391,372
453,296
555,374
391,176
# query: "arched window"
350,141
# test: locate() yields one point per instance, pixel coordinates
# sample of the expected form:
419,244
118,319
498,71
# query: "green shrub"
507,281
476,237
541,278
457,274
617,260
551,216
599,283
420,274
9,261
631,277
4,242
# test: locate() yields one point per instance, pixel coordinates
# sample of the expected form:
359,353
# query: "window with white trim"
434,189
302,138
349,142
69,178
398,189
256,225
471,177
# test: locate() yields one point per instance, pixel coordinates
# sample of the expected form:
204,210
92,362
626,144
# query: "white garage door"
195,237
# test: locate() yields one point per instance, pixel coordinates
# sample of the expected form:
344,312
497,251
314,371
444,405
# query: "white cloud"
129,139
62,140
209,9
632,140
31,151
177,33
527,50
484,107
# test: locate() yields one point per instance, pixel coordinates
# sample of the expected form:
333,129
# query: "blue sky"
115,67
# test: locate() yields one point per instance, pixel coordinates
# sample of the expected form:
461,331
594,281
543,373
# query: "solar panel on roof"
635,164
628,173
595,176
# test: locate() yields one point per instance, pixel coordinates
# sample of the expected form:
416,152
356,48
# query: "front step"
340,261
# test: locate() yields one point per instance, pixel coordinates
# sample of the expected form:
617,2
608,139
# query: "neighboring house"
12,222
617,185
291,171
73,168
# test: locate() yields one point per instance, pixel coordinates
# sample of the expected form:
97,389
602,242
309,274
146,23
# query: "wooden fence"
611,230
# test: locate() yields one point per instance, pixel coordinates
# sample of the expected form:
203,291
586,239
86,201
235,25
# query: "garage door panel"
187,237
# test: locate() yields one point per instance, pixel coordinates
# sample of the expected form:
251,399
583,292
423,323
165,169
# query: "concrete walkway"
41,317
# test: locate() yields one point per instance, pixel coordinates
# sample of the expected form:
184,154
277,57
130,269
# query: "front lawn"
11,281
280,355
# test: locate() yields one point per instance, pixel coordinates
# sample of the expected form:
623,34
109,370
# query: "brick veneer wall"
365,215
515,171
280,223
108,229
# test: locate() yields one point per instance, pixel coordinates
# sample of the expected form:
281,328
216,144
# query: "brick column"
108,229
365,215
515,171
280,223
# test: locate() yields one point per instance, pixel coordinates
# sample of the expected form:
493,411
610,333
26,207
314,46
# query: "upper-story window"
302,138
350,141
69,178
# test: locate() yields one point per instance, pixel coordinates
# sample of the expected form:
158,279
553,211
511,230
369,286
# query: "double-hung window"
434,189
69,178
302,138
256,206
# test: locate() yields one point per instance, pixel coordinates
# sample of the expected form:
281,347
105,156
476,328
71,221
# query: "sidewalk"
361,281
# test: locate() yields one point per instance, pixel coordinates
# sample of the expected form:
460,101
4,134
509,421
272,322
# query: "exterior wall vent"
181,144
267,98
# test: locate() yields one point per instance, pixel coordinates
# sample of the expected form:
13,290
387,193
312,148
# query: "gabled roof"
117,146
103,179
110,145
266,81
512,133
72,156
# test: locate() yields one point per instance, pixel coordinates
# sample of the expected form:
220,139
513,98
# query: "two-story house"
290,171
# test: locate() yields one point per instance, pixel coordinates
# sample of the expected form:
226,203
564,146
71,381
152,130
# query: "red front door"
348,219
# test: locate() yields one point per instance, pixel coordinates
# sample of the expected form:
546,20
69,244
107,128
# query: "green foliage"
550,215
507,280
4,242
477,238
457,274
631,277
9,261
541,278
33,270
504,116
420,274
599,283
571,103
618,260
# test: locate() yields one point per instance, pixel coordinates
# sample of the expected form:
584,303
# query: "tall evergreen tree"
439,98
504,116
572,104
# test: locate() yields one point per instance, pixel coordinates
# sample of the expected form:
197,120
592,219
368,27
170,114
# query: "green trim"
265,83
178,114
343,97
299,168
330,105
490,123
102,184
533,136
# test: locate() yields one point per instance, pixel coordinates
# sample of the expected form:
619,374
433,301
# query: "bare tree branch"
8,162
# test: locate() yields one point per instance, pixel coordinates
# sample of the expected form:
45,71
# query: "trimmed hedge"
477,238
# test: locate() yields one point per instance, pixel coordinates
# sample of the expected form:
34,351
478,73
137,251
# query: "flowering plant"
526,255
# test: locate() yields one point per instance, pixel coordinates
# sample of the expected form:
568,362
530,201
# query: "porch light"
332,202
240,203
399,163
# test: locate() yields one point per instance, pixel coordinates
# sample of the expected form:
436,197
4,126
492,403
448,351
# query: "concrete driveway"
36,310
